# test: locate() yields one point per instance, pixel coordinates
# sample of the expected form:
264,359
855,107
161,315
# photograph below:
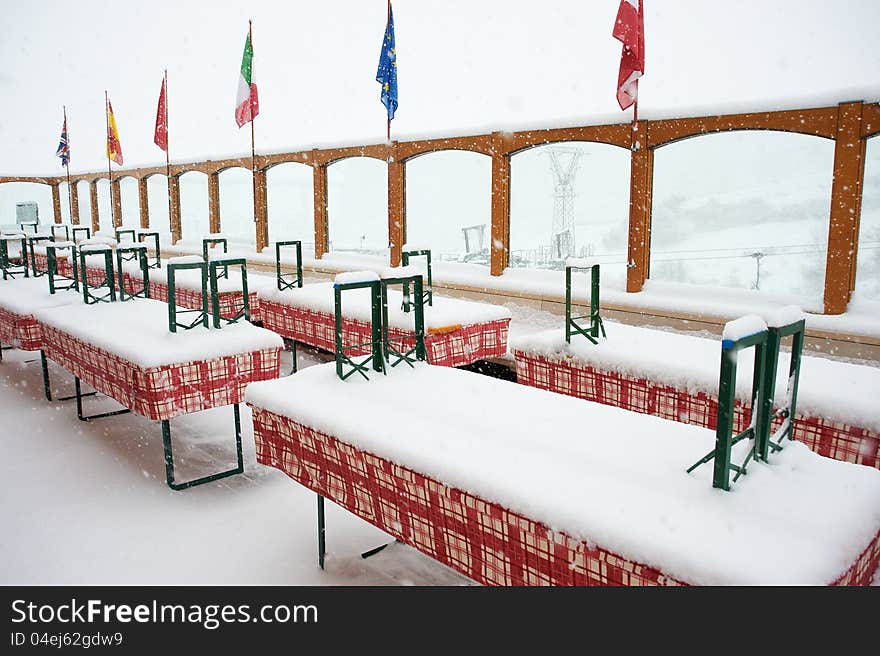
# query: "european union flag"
387,73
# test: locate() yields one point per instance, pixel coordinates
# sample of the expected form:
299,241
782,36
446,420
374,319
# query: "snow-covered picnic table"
675,376
19,299
457,332
513,485
126,351
189,288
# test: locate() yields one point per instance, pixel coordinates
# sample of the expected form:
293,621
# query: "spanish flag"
114,148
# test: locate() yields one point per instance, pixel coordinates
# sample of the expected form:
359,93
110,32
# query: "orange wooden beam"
117,203
174,218
396,205
820,122
320,206
261,224
143,203
214,202
499,247
846,191
56,202
74,204
640,194
93,195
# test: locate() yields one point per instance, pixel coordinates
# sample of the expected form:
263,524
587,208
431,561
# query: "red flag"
160,137
629,29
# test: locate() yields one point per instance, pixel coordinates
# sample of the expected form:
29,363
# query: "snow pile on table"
445,312
137,331
597,473
581,262
834,390
192,279
401,272
355,276
785,316
746,326
24,296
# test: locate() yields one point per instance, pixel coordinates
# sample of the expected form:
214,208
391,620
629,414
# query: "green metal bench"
10,269
32,241
208,243
156,260
57,282
572,327
418,352
288,280
766,343
346,365
201,317
66,232
213,275
129,252
428,293
90,296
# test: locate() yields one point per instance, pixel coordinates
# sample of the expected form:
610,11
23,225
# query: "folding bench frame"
572,327
428,293
10,270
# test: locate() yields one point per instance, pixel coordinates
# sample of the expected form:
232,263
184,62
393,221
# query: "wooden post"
93,195
499,246
56,201
144,203
260,213
174,202
396,204
117,203
214,202
640,192
846,192
74,203
320,203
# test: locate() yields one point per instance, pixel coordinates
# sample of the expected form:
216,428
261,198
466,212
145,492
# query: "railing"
849,125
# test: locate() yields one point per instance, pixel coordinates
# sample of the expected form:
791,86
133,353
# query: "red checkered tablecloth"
455,347
22,331
65,268
480,539
576,378
231,302
166,391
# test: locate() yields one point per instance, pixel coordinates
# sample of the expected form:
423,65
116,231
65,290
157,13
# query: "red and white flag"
247,104
629,29
160,137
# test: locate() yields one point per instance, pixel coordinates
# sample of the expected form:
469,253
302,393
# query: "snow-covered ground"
87,502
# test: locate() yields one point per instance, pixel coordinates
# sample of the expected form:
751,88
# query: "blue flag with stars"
387,73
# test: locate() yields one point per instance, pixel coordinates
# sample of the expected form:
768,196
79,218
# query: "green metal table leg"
322,546
79,408
169,457
293,368
45,365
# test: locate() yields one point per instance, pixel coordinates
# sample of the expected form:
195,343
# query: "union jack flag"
63,146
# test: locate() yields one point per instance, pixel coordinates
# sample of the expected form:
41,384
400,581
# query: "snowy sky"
465,66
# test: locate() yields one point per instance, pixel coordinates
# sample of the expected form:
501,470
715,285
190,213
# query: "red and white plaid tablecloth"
21,331
165,391
460,345
65,268
231,302
476,537
575,377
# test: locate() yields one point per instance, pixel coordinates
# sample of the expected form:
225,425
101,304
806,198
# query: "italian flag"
247,104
